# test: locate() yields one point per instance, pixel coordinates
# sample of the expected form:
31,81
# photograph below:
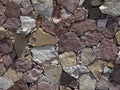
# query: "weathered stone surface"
12,10
27,24
118,37
97,68
22,64
12,75
2,19
2,9
86,82
69,42
12,24
19,85
44,53
65,88
83,26
76,71
33,87
114,86
70,5
95,2
107,50
17,1
87,56
45,11
111,7
2,69
67,80
67,59
101,23
118,60
32,75
5,84
40,38
3,33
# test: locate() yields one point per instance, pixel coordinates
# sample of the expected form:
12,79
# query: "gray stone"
2,69
118,60
44,53
5,84
111,7
86,82
44,8
95,2
101,23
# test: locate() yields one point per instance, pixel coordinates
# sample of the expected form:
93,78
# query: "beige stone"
67,59
12,75
118,37
40,38
95,2
65,88
3,33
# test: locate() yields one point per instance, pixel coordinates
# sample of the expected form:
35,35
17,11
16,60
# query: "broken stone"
111,7
95,2
81,3
86,82
45,11
44,53
2,69
40,38
70,5
27,24
87,56
101,23
22,64
97,68
69,42
12,24
12,75
65,88
67,59
5,83
117,35
3,33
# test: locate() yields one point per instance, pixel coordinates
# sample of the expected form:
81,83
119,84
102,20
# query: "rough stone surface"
87,56
40,38
67,59
118,37
95,2
86,82
5,84
2,69
44,53
3,33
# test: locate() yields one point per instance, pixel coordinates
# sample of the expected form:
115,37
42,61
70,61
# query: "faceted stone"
67,80
12,24
44,53
86,82
53,72
27,24
2,69
3,33
5,46
12,75
117,35
81,27
97,68
22,64
76,71
67,59
107,50
95,2
40,38
32,75
69,42
5,84
87,56
19,85
45,11
101,23
111,7
12,10
70,5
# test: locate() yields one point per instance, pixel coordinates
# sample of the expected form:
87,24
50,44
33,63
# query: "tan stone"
65,88
95,2
67,59
40,38
111,64
13,75
118,37
3,33
97,68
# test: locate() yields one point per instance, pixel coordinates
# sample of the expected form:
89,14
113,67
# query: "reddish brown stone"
23,64
70,5
83,26
5,46
2,9
33,87
19,85
12,10
107,50
69,42
12,24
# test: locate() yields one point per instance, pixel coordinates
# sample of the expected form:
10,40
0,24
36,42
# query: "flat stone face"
111,8
70,5
2,69
44,53
95,2
117,35
40,38
44,8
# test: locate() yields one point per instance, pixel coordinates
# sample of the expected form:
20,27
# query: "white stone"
44,53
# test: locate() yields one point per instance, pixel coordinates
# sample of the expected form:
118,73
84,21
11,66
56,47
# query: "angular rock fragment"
2,69
44,53
101,23
95,2
3,33
114,86
117,35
